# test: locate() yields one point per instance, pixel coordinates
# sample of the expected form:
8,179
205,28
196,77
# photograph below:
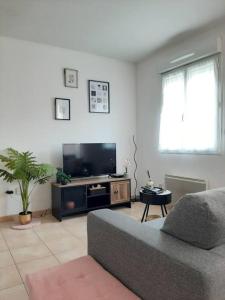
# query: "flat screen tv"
85,160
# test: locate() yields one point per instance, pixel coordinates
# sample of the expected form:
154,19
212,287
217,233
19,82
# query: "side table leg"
142,219
162,211
147,212
165,209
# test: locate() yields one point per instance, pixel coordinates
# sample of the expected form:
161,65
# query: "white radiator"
180,186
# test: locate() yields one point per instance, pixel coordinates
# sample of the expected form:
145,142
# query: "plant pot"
63,182
25,218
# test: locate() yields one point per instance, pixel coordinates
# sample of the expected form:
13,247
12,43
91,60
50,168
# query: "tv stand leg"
58,218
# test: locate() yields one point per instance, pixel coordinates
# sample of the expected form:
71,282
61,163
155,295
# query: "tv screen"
85,160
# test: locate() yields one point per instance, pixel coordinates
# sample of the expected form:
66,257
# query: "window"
190,117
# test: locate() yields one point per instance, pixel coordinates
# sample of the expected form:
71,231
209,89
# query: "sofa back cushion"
199,219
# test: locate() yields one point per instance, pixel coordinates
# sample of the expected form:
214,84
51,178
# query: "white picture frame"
71,78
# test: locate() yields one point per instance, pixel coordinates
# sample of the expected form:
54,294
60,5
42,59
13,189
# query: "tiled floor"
49,244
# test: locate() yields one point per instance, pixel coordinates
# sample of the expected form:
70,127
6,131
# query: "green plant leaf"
23,168
6,176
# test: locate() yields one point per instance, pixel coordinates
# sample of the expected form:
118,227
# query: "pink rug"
79,279
18,226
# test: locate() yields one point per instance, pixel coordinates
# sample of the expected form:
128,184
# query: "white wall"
208,167
31,75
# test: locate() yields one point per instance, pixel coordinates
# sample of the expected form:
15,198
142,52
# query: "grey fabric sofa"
152,263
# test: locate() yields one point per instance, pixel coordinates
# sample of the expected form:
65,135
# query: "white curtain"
190,111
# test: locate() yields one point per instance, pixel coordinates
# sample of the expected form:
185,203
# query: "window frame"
183,67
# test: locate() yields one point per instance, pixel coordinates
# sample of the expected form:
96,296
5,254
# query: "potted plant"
23,168
62,177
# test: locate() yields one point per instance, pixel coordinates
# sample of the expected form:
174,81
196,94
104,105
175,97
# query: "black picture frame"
103,88
60,102
67,82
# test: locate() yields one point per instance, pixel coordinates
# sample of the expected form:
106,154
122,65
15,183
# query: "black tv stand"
77,197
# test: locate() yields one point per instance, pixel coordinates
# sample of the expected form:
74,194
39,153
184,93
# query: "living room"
131,49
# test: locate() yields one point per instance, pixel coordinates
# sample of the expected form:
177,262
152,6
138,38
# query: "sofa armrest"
151,263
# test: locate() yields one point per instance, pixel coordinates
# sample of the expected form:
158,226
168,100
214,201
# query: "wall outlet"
9,192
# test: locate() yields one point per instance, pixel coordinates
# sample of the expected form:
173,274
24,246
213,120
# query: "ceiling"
124,29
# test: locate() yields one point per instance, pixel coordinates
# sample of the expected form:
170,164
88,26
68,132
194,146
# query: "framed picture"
62,109
98,96
71,78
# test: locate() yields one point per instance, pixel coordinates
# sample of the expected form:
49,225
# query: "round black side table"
161,199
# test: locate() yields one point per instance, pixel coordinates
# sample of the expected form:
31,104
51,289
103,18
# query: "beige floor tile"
63,244
30,253
6,259
78,229
3,245
36,265
48,227
49,219
84,240
4,225
53,234
15,293
137,210
9,277
72,254
75,219
10,232
21,240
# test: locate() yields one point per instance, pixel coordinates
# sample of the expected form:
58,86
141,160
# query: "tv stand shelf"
75,197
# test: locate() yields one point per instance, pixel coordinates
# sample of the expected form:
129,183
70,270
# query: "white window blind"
190,117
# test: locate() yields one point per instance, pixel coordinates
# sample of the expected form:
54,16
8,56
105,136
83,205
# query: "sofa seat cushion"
220,250
199,219
79,279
